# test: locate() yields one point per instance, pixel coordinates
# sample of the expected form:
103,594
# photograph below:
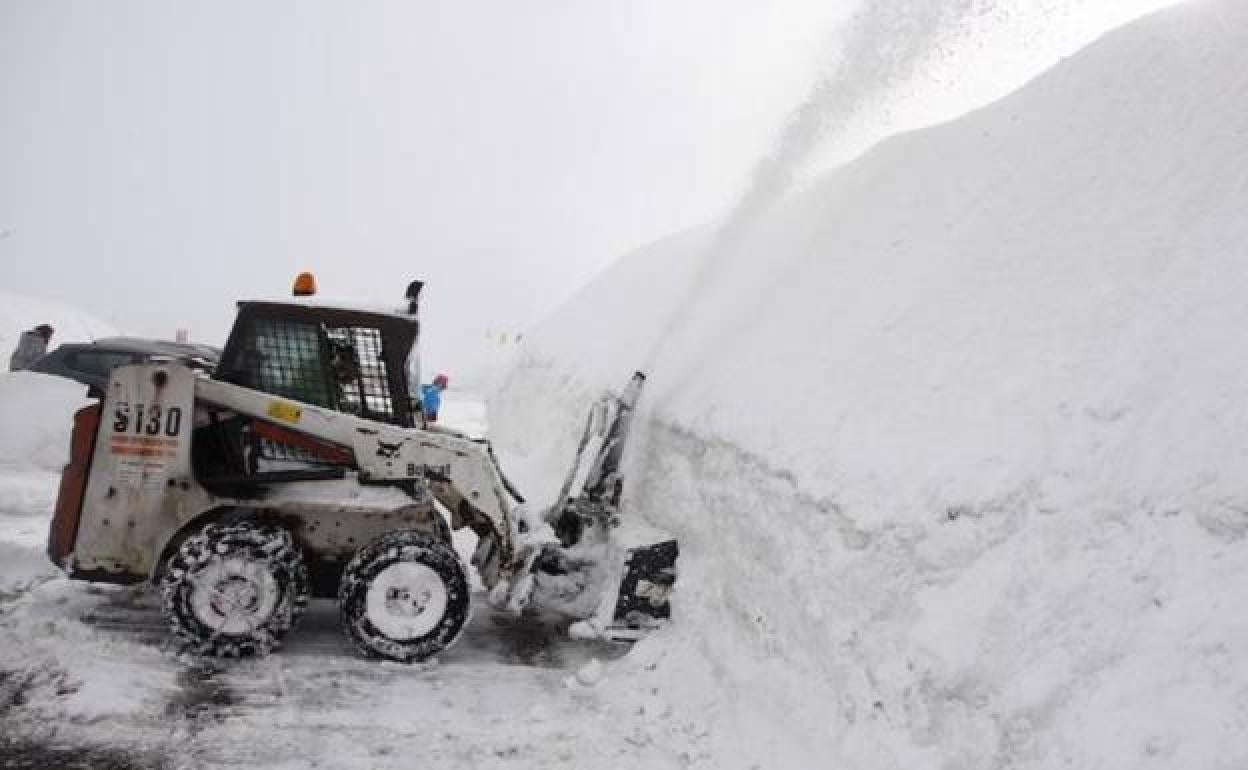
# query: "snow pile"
19,313
36,412
908,64
36,417
954,441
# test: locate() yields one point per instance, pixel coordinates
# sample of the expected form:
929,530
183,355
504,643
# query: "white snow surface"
19,312
36,412
33,411
953,441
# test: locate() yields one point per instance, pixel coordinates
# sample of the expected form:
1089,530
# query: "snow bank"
36,418
36,412
954,441
19,313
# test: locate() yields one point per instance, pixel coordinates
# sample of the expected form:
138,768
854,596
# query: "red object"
322,449
64,530
305,285
441,381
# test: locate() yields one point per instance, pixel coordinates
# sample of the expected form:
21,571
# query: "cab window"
284,358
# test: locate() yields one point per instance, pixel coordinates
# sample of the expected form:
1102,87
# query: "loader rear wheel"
236,589
405,597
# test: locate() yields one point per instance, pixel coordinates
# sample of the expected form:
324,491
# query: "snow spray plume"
882,45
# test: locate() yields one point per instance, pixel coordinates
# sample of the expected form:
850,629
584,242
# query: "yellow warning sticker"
286,412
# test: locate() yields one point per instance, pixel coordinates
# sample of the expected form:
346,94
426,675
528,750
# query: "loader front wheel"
405,597
235,590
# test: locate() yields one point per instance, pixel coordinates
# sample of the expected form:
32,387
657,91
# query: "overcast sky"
159,160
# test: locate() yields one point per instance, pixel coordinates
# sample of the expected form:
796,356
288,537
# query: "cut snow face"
954,441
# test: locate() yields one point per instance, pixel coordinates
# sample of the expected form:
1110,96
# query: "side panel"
385,453
64,529
330,534
141,487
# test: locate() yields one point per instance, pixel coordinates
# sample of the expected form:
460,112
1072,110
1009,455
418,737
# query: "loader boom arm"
460,472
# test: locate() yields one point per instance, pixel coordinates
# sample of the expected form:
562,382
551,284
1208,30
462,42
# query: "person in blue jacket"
431,397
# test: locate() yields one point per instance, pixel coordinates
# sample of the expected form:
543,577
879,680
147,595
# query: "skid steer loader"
302,468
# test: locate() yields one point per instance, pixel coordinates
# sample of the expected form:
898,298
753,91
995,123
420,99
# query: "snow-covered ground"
953,442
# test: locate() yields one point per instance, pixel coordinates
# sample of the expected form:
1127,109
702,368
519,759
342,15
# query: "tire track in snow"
317,698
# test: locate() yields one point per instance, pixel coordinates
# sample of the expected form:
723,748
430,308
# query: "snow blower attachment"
303,467
588,518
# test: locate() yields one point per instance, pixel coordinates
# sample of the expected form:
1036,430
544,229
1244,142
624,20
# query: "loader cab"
348,360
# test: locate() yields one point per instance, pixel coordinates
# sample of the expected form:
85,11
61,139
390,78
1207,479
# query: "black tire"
236,589
420,600
443,529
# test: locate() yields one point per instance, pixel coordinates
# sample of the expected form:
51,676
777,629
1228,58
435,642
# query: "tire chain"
262,542
394,547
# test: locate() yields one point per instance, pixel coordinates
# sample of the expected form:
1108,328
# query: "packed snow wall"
954,441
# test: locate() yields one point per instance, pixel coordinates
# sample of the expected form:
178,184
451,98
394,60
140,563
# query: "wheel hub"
402,602
233,596
406,600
